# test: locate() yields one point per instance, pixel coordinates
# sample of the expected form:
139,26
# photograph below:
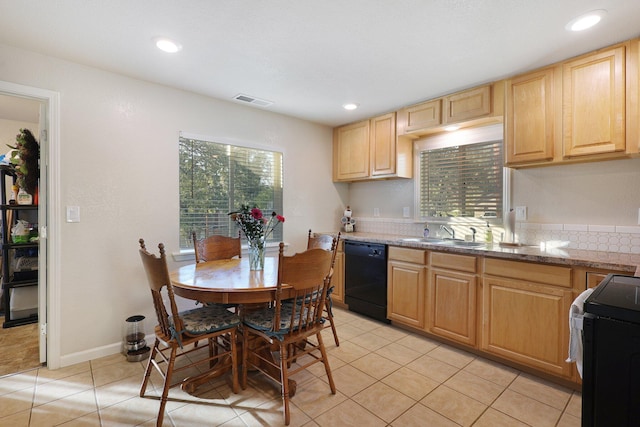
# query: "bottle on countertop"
425,232
488,237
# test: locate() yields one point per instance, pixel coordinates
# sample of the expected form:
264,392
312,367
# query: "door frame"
49,220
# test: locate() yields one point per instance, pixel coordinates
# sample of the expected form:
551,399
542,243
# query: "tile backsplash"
606,238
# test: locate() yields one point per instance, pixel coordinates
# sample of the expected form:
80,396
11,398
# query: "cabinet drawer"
415,256
541,273
454,262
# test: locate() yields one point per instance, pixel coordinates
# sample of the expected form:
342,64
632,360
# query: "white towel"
576,313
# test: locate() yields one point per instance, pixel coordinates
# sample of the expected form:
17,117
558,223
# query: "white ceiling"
310,57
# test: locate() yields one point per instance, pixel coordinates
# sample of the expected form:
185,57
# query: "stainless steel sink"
438,241
423,239
463,243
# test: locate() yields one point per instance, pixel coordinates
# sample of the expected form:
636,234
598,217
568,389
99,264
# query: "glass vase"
256,255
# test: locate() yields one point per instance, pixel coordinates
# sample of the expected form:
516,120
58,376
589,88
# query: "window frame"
465,136
241,144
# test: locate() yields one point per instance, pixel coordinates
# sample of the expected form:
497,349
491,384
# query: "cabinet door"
451,306
383,145
527,323
406,293
422,116
338,278
467,105
351,151
530,117
594,103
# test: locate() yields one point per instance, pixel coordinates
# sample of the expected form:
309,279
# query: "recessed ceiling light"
585,21
350,106
167,45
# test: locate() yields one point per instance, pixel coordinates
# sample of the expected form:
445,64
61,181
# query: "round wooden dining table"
228,281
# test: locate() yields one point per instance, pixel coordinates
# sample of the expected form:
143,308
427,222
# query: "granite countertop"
542,253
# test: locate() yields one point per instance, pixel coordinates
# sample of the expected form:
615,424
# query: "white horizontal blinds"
462,181
217,178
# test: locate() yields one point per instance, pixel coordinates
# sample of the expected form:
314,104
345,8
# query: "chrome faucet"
451,231
473,230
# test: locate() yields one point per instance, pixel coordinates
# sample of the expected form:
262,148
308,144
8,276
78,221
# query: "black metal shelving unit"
11,278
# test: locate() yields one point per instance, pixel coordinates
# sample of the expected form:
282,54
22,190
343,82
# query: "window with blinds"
217,178
461,178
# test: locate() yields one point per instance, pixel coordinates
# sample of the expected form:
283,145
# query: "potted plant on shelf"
25,158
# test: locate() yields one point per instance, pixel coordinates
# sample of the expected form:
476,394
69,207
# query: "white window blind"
217,178
462,180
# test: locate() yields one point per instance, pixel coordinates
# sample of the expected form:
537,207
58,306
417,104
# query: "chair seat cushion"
207,319
262,320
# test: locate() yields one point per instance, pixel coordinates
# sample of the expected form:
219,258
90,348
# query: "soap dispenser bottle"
488,237
425,231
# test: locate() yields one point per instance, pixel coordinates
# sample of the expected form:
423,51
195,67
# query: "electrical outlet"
405,212
521,213
638,216
73,213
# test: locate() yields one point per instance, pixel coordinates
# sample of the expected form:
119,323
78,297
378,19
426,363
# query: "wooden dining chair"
329,243
295,316
176,332
216,247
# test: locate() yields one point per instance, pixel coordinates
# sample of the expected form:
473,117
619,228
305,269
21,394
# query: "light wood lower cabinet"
338,276
527,321
451,299
406,286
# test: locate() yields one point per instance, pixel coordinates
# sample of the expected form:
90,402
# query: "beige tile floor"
385,376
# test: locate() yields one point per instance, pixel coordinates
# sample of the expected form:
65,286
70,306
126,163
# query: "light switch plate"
405,212
376,212
521,213
73,213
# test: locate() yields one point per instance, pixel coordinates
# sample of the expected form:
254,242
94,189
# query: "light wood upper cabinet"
532,103
472,107
406,286
594,118
451,299
422,116
583,109
351,151
370,150
383,147
467,105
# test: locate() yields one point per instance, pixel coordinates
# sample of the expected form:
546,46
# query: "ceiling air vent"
252,100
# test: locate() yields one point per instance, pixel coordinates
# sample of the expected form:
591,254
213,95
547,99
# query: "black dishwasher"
365,278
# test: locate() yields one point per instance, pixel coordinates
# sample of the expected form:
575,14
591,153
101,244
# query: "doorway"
26,107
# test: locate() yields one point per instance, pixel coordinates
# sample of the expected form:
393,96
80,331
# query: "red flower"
256,213
280,218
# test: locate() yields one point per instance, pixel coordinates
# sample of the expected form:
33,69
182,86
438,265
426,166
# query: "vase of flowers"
256,228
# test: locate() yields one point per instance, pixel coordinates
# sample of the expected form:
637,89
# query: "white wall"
9,129
119,163
603,193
